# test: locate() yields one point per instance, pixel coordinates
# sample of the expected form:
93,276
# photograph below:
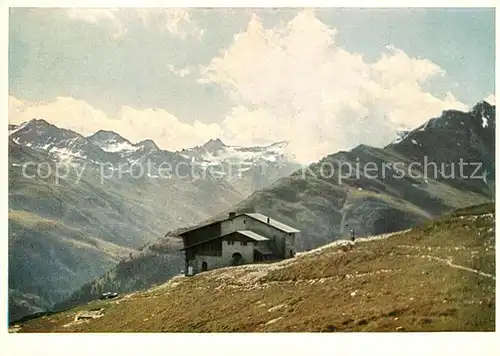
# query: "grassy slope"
438,276
63,235
316,203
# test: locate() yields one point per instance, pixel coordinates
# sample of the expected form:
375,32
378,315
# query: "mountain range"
445,164
259,165
79,205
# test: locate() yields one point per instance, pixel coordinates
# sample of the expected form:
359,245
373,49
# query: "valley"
67,229
121,234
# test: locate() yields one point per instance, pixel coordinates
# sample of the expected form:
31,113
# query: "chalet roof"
199,227
250,234
274,223
259,217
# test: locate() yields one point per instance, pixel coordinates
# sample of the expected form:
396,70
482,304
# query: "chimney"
232,215
268,219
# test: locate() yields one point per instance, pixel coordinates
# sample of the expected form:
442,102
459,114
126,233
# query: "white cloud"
180,72
164,128
176,21
134,124
395,67
92,15
295,83
63,111
290,82
96,16
490,99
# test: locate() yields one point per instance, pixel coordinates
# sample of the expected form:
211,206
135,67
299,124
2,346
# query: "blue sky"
461,41
324,80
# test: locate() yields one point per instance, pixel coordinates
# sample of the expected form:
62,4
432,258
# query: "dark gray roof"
193,228
274,223
252,235
259,217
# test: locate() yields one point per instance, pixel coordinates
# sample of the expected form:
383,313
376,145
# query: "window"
243,243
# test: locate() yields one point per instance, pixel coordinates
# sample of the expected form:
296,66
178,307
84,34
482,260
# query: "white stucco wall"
235,224
283,241
289,245
245,251
226,259
213,262
270,232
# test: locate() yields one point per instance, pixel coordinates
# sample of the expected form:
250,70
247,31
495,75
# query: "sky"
322,79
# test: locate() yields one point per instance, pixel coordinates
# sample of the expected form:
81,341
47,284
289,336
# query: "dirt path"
451,264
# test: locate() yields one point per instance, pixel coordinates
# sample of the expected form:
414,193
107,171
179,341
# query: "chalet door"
237,259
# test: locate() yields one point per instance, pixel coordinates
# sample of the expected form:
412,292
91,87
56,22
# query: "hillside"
152,265
63,234
382,190
438,276
325,204
66,229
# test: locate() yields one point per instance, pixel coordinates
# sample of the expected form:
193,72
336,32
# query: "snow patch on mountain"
66,154
215,153
401,135
119,147
110,141
15,128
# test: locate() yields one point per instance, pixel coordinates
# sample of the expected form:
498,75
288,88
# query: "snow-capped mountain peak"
110,141
147,145
35,125
38,133
247,168
233,161
213,146
484,111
